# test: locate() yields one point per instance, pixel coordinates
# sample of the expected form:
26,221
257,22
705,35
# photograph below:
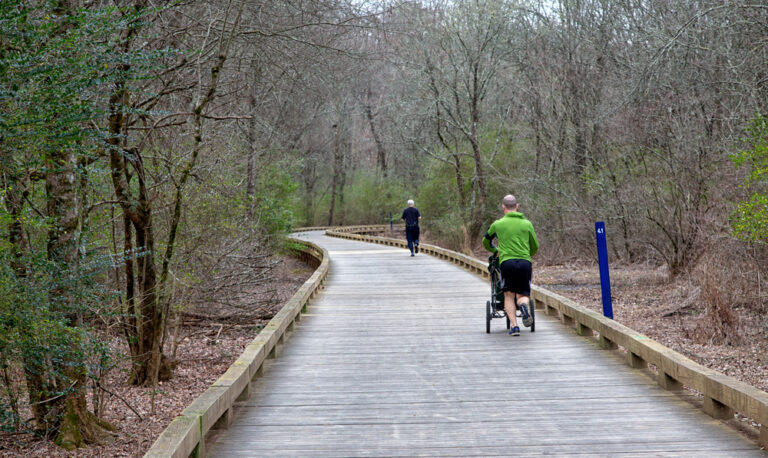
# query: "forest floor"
643,299
672,313
204,354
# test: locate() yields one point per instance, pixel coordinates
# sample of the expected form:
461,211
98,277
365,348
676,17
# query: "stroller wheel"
488,315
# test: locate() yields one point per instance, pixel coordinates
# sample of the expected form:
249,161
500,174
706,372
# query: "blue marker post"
605,279
390,221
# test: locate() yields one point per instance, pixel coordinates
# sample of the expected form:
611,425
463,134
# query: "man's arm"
487,239
533,242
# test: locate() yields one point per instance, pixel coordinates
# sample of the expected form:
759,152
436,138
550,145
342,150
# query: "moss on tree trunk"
80,427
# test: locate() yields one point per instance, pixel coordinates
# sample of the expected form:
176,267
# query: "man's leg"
409,238
416,239
508,279
523,288
525,305
509,306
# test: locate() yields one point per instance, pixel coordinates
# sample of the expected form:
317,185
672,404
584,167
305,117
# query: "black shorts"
412,232
516,276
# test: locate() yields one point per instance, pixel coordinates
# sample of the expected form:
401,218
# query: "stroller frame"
494,308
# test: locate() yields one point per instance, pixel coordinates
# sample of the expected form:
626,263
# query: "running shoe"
527,318
514,331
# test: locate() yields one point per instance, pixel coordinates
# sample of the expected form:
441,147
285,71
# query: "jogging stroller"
495,307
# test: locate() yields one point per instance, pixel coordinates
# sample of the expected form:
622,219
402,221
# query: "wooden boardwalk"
392,359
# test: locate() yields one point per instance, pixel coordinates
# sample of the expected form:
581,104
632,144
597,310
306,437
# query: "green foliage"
439,192
508,168
273,192
290,247
314,214
217,211
440,203
750,219
510,171
52,69
8,418
37,334
54,72
369,199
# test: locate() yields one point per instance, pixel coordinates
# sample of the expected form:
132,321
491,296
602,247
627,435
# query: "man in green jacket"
515,246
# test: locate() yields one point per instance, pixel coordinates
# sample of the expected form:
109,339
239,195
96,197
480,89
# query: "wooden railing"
721,395
359,229
362,229
185,435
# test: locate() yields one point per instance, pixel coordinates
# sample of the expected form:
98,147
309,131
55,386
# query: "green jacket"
516,238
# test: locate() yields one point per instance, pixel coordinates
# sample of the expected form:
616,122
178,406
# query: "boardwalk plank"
392,359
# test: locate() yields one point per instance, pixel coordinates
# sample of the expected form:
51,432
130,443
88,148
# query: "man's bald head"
509,202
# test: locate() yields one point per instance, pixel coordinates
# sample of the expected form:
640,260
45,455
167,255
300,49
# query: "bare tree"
460,50
146,307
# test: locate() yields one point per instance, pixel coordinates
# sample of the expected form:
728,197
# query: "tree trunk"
479,185
309,178
337,164
17,189
55,395
75,426
146,273
341,220
142,323
146,325
250,186
130,314
381,154
79,426
63,236
459,180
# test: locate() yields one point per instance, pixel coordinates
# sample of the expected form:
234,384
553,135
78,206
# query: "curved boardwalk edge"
722,395
185,435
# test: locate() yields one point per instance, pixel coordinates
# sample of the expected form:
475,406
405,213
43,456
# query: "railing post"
763,418
717,409
668,382
635,361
